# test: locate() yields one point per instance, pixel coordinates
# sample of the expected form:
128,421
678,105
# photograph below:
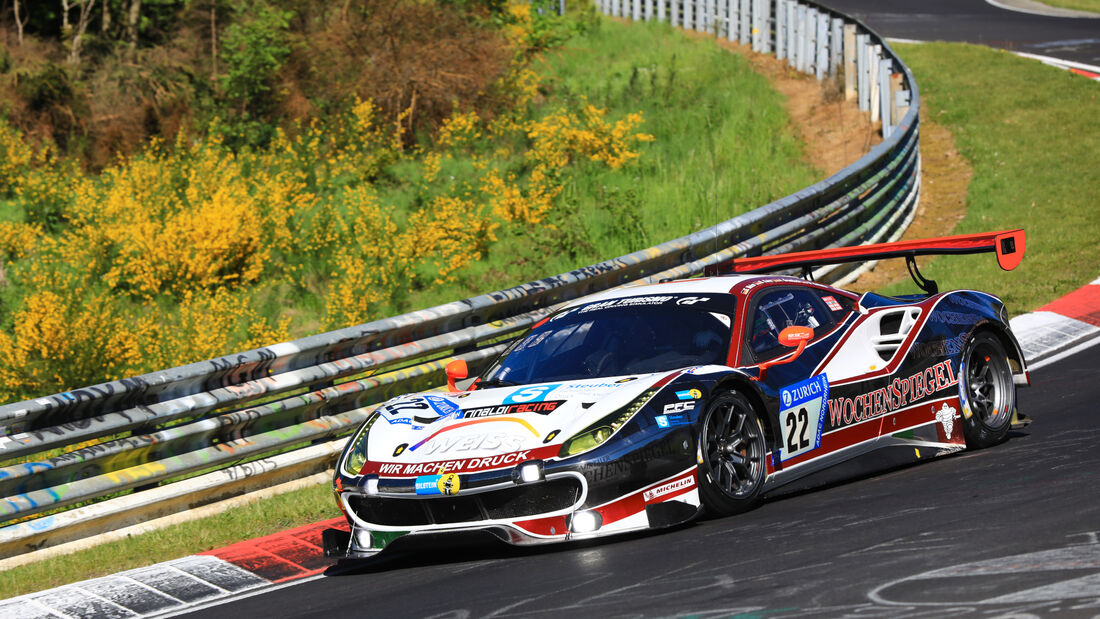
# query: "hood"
438,427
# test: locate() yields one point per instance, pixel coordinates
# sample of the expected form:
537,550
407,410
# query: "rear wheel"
987,390
731,439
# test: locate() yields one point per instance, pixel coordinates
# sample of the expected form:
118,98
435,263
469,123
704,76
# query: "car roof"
724,284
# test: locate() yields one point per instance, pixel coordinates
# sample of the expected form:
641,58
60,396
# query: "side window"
838,304
779,309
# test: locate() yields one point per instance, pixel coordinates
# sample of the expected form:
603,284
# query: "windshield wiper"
496,382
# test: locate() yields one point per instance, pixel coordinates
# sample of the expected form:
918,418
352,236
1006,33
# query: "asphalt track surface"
1009,530
975,21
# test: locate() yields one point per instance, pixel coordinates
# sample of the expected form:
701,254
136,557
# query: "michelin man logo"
946,417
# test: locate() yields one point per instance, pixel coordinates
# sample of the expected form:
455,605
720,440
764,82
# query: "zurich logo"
786,398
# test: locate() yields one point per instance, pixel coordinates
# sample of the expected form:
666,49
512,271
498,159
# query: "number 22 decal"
798,423
802,414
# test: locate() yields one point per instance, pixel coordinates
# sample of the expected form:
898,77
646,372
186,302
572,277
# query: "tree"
83,19
133,18
20,23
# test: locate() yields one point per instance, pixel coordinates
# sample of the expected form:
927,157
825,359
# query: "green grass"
1033,136
1080,5
723,146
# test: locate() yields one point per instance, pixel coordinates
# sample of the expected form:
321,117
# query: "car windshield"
614,338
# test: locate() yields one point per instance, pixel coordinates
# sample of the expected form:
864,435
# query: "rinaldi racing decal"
542,408
897,394
802,415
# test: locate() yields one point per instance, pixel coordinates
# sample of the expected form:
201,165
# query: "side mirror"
789,337
456,370
792,337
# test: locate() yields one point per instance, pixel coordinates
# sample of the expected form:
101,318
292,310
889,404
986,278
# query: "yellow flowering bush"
161,259
16,157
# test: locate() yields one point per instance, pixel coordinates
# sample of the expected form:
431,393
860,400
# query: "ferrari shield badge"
802,415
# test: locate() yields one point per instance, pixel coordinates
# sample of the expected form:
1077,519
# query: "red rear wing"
1008,244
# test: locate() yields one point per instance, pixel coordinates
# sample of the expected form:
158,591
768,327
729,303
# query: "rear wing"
1009,246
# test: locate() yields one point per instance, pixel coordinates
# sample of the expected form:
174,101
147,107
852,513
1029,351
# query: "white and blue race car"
646,406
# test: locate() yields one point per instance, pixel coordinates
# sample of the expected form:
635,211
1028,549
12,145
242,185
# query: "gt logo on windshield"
691,300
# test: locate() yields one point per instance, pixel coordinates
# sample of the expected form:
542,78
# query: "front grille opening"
506,503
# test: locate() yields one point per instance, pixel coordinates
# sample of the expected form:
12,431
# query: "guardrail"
238,418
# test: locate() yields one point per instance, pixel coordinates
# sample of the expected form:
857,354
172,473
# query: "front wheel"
987,391
731,442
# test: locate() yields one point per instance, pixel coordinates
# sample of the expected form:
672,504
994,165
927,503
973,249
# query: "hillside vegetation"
335,163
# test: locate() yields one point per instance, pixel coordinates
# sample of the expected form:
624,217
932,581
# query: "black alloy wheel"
731,440
987,390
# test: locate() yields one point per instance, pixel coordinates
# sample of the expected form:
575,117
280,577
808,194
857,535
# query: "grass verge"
1079,5
1033,138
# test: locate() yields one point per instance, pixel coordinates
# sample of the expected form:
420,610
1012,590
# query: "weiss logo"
474,442
692,300
946,416
660,491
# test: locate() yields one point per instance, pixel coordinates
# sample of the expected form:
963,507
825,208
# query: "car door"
802,420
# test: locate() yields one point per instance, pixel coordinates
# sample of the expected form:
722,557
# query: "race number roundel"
802,415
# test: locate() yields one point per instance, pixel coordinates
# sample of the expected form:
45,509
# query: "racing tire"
987,391
732,449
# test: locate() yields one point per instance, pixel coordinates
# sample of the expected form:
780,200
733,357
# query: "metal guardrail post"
822,65
744,35
781,30
861,73
885,69
766,19
837,46
804,46
874,53
851,72
689,15
811,40
661,10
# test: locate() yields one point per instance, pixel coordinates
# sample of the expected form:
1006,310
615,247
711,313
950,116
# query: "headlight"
356,454
602,430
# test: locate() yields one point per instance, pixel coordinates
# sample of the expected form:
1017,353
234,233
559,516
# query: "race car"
647,406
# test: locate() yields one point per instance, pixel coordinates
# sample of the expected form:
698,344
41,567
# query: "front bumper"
518,513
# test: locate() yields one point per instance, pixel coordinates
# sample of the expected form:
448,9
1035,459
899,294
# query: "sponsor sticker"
626,302
802,415
831,302
669,488
678,407
447,483
946,417
542,408
665,421
536,393
462,465
689,394
442,405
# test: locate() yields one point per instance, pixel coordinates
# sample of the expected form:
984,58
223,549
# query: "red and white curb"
1060,327
1052,332
185,584
1086,70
